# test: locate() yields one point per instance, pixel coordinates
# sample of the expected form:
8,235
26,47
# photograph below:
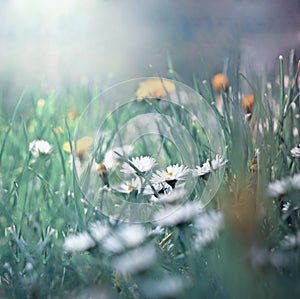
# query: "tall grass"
252,252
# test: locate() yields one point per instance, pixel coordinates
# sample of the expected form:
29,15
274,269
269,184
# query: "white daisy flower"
143,164
171,197
295,181
135,260
112,157
129,186
203,170
207,227
38,147
79,242
278,188
99,230
281,187
218,162
165,287
296,151
173,174
175,215
127,236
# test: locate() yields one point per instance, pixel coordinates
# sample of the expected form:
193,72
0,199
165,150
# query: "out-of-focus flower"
126,236
207,226
58,130
112,157
248,102
279,188
103,173
219,80
79,242
72,114
40,147
202,170
135,260
165,287
291,241
296,151
41,103
143,164
179,214
172,197
154,88
82,145
99,230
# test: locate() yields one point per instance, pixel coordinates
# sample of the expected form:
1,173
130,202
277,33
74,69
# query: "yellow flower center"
168,175
130,187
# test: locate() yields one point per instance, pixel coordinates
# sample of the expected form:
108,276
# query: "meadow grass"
56,243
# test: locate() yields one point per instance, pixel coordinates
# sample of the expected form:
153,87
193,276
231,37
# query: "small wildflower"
82,145
176,215
127,236
99,231
248,102
143,164
135,260
154,88
207,226
103,173
218,162
296,151
203,170
128,187
112,157
165,287
79,242
218,81
38,147
171,197
279,188
173,174
41,103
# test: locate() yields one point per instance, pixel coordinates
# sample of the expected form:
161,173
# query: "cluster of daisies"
143,178
132,247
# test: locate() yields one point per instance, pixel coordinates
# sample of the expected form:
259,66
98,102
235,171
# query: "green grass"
42,202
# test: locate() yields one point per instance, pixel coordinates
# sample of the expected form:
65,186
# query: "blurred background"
54,44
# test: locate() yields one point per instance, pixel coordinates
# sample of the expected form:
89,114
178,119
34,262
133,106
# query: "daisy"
135,260
80,242
172,197
207,226
165,287
278,188
99,231
38,147
176,215
127,236
173,174
296,151
218,162
129,186
142,164
112,157
203,170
